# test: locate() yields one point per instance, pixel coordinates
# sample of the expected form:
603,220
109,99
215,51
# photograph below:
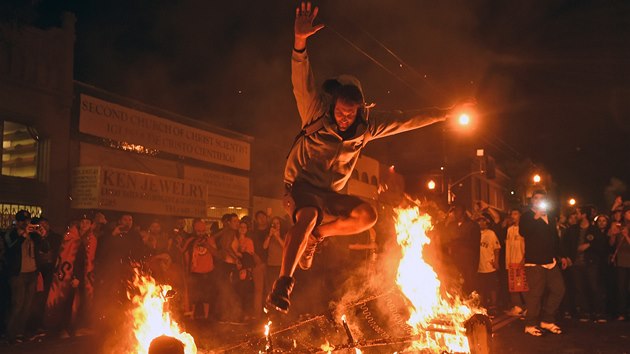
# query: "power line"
415,90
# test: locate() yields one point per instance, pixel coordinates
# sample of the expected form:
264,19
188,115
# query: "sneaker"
306,261
278,298
515,311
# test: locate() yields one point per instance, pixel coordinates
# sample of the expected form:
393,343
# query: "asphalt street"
508,337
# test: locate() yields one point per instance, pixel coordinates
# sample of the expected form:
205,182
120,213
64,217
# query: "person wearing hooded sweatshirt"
335,127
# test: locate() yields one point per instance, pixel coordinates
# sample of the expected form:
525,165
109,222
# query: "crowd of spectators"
68,284
575,263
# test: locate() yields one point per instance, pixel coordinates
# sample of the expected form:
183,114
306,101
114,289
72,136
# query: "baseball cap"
22,215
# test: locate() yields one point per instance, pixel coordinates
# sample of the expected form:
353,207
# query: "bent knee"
306,217
366,214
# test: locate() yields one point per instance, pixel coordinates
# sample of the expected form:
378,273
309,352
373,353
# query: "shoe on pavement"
306,261
551,327
533,331
278,298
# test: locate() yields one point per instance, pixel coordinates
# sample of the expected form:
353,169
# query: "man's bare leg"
294,245
298,248
296,239
360,219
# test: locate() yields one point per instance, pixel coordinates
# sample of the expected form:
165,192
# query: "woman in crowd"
620,239
274,243
245,284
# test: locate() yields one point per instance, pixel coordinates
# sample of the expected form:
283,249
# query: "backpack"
309,129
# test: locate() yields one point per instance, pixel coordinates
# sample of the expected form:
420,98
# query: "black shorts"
201,287
301,195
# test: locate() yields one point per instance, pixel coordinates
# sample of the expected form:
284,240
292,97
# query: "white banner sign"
112,121
220,184
115,189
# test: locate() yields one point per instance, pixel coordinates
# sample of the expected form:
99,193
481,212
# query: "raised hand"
304,17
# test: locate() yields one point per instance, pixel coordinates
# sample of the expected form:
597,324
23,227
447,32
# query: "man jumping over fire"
335,127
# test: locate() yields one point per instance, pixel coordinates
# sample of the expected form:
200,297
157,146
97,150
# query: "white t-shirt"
514,246
489,243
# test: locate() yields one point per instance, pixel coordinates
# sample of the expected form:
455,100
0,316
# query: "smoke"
227,64
616,187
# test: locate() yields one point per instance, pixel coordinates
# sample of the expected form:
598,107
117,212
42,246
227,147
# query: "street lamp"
572,201
464,119
431,185
536,178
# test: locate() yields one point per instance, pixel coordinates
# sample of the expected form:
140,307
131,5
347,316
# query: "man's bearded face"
345,114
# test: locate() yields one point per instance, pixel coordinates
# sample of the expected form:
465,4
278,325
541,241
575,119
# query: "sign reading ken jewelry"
123,190
119,123
220,184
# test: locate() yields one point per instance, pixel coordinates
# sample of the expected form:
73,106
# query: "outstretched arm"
398,122
306,96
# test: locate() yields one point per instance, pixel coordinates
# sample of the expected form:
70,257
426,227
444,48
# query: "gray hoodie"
323,158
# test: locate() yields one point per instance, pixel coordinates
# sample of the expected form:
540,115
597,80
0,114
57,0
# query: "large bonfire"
436,318
151,318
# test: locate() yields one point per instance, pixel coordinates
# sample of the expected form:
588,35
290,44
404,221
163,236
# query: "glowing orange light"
431,185
464,119
572,201
537,178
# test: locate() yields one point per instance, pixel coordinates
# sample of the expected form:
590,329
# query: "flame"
267,339
327,347
420,284
267,327
150,320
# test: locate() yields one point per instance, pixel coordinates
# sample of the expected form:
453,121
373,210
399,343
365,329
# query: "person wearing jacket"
21,248
542,270
587,250
335,128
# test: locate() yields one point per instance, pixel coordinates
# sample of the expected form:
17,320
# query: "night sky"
551,77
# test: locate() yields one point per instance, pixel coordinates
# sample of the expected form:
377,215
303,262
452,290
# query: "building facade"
35,103
132,157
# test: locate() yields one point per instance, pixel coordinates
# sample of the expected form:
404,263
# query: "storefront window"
19,151
8,211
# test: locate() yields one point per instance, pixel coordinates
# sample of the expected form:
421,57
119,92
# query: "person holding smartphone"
21,247
542,267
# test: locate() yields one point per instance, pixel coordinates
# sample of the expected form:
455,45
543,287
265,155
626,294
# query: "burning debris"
437,320
417,315
150,315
